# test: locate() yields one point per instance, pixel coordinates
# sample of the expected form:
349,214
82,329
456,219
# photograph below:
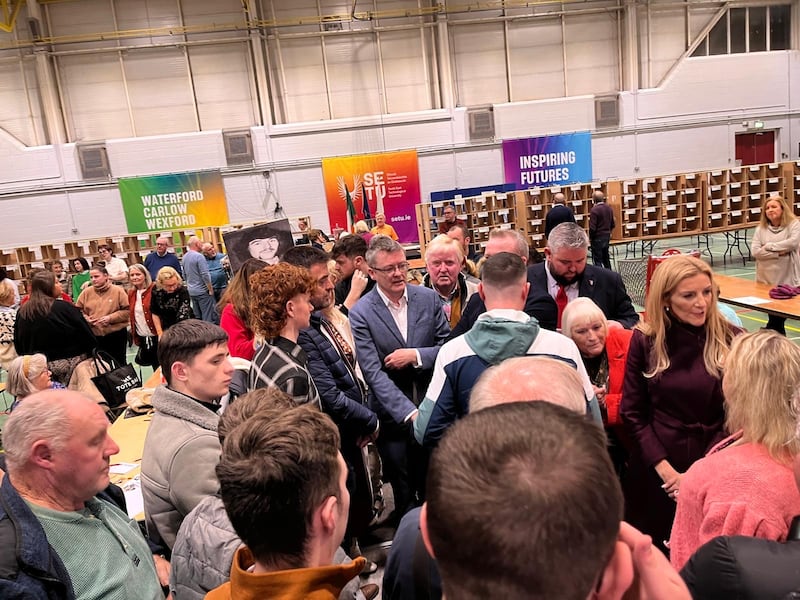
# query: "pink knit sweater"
738,490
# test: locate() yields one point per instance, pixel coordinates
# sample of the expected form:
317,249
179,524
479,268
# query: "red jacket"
147,314
617,342
240,338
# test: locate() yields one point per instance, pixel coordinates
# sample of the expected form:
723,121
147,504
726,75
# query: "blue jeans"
205,308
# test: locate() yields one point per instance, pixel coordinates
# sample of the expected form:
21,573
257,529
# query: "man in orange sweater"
292,530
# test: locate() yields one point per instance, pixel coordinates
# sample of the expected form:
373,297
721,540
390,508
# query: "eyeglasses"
402,267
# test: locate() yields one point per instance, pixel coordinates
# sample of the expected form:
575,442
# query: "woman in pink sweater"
745,484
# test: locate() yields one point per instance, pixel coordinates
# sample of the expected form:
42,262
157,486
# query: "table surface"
129,435
740,292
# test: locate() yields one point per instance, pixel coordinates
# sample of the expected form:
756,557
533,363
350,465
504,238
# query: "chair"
654,261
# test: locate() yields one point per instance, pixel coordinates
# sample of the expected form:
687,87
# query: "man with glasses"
449,214
162,257
116,267
398,329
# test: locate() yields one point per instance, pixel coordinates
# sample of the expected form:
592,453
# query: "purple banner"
548,161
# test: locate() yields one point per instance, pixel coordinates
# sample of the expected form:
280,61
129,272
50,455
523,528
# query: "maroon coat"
677,416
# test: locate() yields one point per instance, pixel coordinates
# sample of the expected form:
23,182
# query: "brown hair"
249,404
238,291
41,297
787,216
276,469
185,340
553,463
271,288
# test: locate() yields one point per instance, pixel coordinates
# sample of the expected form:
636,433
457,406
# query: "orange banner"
387,182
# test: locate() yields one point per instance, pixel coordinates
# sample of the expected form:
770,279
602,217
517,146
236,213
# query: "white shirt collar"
386,299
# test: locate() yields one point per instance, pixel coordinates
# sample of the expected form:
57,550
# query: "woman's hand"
670,477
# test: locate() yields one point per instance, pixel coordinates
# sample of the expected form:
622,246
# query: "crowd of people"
541,438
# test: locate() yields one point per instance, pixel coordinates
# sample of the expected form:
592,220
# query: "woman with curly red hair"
280,307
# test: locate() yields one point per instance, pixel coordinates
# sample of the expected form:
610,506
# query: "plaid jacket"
283,364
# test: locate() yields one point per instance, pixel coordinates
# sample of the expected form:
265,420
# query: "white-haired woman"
604,350
27,375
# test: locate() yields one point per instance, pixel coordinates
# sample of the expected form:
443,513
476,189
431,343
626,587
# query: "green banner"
177,201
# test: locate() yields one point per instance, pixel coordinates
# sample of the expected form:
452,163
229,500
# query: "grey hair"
581,310
41,416
18,384
567,235
527,379
381,243
522,244
148,279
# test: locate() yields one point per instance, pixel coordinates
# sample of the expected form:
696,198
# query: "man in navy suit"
565,266
398,329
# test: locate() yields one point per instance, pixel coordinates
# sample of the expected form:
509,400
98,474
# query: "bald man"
161,257
61,538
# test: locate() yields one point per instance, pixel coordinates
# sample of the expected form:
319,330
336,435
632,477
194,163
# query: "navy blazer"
391,391
603,286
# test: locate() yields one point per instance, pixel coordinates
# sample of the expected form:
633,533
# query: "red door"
755,148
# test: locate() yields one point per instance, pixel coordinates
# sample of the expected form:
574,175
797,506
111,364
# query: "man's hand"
401,358
163,569
653,578
358,283
600,393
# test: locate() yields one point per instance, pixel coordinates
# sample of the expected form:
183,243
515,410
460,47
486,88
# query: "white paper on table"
121,468
751,300
133,496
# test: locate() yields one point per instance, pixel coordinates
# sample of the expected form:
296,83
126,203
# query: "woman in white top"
116,267
143,328
775,248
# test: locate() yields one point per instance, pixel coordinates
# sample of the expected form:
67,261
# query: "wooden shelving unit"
646,209
131,248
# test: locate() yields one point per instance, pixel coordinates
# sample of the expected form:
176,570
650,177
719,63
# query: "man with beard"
332,363
565,276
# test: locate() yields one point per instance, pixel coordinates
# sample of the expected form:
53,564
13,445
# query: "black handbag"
147,355
114,381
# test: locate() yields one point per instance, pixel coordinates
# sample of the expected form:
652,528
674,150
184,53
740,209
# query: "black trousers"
600,254
115,344
403,465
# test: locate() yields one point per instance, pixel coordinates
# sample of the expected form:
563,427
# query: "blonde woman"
672,401
170,302
745,485
775,247
8,317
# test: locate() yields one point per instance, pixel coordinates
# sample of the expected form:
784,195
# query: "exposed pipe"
422,151
125,87
318,19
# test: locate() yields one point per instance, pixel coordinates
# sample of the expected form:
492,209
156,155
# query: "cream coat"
776,254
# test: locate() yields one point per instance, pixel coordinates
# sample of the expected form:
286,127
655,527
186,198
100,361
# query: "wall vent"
93,160
238,147
606,111
481,123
